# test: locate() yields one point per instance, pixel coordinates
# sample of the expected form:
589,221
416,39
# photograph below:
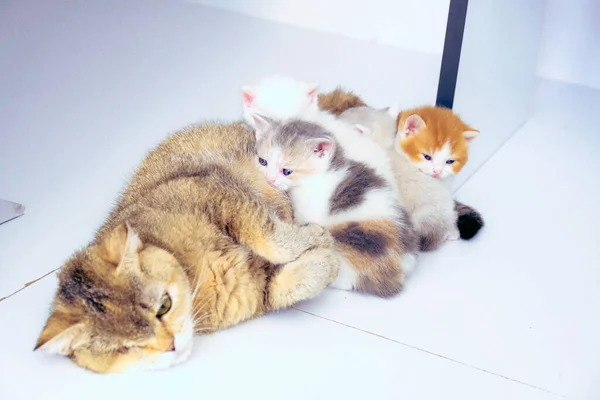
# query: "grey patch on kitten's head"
296,132
381,125
351,192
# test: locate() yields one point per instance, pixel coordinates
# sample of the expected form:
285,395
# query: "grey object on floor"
10,210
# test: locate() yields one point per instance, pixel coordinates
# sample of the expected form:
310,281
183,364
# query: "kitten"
198,241
278,96
428,201
342,180
284,97
434,139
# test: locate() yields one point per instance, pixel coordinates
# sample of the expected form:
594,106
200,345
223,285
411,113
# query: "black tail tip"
469,224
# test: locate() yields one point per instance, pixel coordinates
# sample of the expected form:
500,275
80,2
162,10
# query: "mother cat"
199,241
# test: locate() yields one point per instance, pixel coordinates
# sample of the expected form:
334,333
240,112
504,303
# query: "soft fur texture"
428,201
342,180
198,230
435,140
338,101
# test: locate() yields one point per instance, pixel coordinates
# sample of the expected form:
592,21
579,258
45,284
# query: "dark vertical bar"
457,14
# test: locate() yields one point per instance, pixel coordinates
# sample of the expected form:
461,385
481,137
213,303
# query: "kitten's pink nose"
437,171
271,178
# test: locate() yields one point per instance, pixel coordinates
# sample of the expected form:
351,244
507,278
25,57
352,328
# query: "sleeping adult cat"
198,241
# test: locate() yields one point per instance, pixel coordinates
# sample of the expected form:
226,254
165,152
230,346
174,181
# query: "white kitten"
279,98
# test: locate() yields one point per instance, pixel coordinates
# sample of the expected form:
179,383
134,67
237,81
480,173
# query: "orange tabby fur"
441,126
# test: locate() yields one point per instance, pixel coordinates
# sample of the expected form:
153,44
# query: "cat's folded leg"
303,278
255,225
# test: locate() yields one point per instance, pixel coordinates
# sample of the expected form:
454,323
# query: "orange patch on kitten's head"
434,139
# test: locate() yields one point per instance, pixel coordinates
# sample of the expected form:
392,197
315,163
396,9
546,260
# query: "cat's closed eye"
165,306
262,161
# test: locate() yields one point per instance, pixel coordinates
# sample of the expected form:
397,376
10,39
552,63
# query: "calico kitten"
198,241
428,201
342,180
434,139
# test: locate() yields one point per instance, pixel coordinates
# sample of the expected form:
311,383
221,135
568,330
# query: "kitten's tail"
339,100
469,220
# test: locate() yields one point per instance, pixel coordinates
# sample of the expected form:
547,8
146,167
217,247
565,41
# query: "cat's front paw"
317,236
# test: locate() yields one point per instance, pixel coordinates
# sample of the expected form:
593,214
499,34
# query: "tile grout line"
27,284
433,354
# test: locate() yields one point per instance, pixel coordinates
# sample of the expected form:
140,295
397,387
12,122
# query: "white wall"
570,49
411,24
496,76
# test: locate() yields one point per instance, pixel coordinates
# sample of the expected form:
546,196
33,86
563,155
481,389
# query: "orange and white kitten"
435,140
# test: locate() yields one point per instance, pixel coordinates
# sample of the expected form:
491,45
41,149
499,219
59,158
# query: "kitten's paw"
453,235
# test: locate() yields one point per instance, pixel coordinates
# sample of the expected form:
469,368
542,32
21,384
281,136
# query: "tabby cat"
198,241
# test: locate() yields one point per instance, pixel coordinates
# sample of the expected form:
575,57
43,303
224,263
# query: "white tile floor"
511,315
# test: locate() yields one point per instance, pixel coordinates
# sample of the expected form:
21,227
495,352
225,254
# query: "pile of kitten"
223,222
373,177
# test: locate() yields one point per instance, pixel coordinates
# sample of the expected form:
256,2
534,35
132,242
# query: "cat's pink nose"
271,178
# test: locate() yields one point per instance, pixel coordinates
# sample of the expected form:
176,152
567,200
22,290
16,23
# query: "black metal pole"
455,28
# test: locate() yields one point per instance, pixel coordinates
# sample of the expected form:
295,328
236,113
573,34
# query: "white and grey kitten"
342,180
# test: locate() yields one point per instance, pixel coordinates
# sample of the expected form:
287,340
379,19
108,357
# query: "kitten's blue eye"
427,157
262,161
286,172
450,162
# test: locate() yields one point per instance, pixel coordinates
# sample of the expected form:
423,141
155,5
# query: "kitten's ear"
392,110
121,246
470,135
311,91
412,124
261,125
58,334
362,129
248,95
323,148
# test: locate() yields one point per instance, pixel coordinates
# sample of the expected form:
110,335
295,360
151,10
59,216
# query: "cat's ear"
470,135
58,334
121,246
363,130
248,95
392,110
261,125
412,124
311,91
322,148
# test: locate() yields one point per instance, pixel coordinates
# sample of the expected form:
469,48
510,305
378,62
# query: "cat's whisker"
201,318
198,310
